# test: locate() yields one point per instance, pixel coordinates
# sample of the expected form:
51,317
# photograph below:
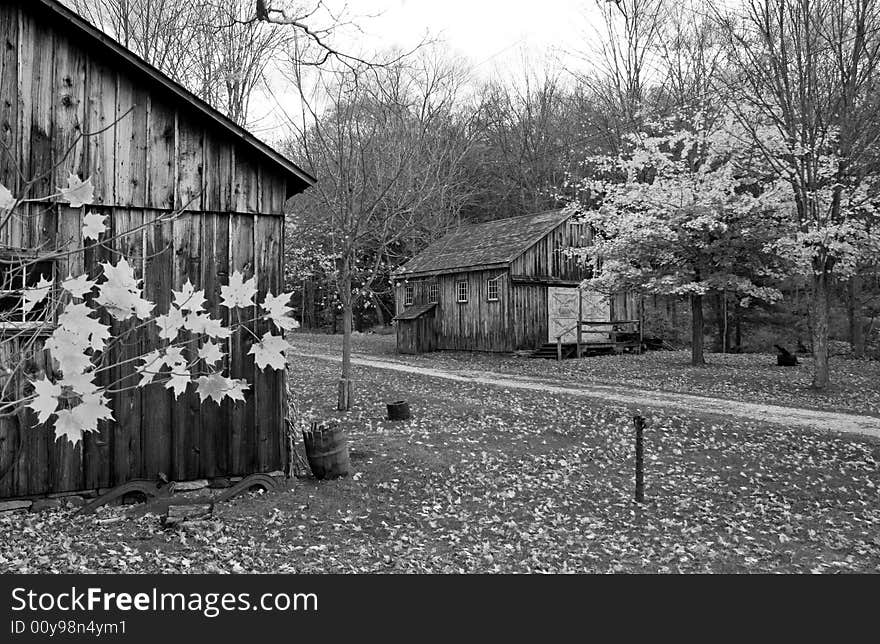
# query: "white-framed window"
433,293
409,294
461,291
492,290
17,273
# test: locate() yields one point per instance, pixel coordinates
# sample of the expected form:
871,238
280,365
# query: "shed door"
563,310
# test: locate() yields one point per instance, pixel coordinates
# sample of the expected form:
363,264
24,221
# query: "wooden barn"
503,285
73,100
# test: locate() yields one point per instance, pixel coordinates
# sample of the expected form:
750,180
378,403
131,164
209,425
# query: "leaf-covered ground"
746,377
491,480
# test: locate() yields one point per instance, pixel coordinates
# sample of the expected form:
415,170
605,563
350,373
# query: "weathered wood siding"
528,313
63,110
419,335
149,155
153,432
475,325
546,258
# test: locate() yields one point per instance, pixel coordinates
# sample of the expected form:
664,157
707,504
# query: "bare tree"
389,150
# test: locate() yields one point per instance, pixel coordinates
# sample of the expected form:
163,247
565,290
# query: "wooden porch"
617,336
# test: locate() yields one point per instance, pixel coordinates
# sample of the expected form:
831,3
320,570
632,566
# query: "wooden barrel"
327,451
399,411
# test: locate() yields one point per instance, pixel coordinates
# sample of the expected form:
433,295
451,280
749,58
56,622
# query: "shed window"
461,289
433,293
492,290
409,293
17,274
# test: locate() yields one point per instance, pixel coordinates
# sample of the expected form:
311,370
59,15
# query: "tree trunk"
854,309
697,331
344,400
819,329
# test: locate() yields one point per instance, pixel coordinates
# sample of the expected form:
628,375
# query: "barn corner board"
72,100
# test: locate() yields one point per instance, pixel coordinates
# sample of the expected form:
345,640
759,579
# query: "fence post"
639,422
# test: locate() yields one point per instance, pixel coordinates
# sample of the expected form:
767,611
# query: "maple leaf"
189,299
170,324
216,387
67,426
278,311
269,351
178,382
179,377
7,201
35,294
78,287
76,319
45,400
93,225
210,353
239,293
153,363
92,408
68,348
204,324
84,417
120,293
77,193
79,383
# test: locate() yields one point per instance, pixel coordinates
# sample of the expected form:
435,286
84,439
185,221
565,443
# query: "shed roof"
415,312
89,34
487,244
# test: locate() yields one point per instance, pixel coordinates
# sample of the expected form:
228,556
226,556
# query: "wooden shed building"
150,148
503,285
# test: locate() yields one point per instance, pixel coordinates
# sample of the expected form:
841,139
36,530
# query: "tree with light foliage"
805,86
683,212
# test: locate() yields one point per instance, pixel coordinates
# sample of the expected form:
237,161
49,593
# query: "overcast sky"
494,35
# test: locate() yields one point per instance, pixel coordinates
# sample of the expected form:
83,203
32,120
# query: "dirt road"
788,416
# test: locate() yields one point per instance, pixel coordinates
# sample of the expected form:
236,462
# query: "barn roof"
488,244
91,35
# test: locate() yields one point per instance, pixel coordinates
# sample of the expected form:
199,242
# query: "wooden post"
559,348
580,318
639,422
641,323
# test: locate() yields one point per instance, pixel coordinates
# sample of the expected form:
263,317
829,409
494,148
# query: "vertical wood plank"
156,401
162,142
126,439
190,170
66,457
123,157
96,452
101,117
214,418
267,405
186,408
68,144
242,436
9,164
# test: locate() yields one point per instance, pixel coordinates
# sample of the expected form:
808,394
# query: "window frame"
409,294
23,260
458,291
490,283
433,293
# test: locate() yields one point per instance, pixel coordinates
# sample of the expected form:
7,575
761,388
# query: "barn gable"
87,105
